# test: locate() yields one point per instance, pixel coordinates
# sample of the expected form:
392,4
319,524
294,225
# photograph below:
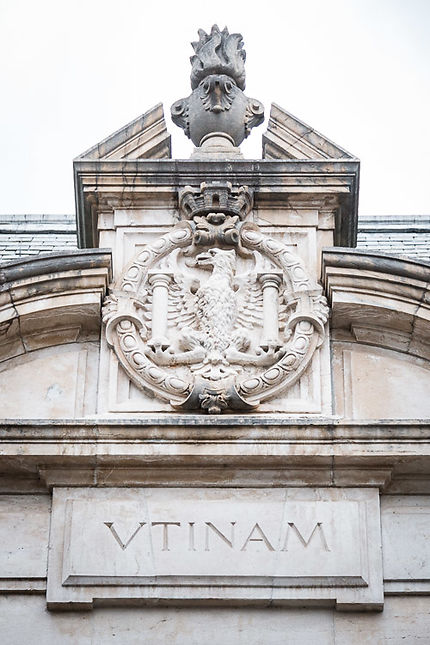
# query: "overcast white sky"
72,72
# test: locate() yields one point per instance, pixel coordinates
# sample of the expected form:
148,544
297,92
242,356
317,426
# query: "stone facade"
215,413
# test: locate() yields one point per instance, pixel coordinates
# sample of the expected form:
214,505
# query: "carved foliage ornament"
215,315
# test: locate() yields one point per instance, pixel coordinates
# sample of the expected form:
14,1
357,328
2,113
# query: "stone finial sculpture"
217,111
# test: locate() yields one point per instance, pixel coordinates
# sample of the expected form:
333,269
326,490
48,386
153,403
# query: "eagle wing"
182,302
249,297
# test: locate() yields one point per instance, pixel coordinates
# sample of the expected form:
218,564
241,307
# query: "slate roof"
406,236
29,235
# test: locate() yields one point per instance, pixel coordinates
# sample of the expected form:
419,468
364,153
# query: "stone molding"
381,299
289,138
102,186
144,138
49,263
393,456
51,299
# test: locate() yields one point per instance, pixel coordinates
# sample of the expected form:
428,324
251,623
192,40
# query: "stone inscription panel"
245,545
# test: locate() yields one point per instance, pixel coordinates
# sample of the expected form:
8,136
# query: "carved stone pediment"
287,137
144,138
215,315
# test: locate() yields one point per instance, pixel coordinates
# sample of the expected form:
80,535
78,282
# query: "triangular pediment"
289,138
144,138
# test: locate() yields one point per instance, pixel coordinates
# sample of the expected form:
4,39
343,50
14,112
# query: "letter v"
122,544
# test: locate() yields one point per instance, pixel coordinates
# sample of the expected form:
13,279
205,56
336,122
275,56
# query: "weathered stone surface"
404,620
289,138
406,521
49,318
379,302
49,327
370,382
245,546
144,138
66,383
24,531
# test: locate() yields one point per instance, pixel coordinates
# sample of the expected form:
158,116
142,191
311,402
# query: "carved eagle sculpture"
214,318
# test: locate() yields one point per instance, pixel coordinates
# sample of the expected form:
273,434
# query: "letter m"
318,529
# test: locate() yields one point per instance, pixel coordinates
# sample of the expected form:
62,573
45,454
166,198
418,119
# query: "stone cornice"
52,299
217,426
226,451
128,180
371,261
382,300
53,263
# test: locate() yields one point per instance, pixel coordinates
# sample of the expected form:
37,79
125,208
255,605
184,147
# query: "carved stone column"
270,283
160,303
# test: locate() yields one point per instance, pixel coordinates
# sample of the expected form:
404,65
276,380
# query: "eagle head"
218,259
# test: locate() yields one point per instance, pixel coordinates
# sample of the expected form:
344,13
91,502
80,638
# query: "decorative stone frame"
125,327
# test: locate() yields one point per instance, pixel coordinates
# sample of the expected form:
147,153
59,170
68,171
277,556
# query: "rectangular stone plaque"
264,546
